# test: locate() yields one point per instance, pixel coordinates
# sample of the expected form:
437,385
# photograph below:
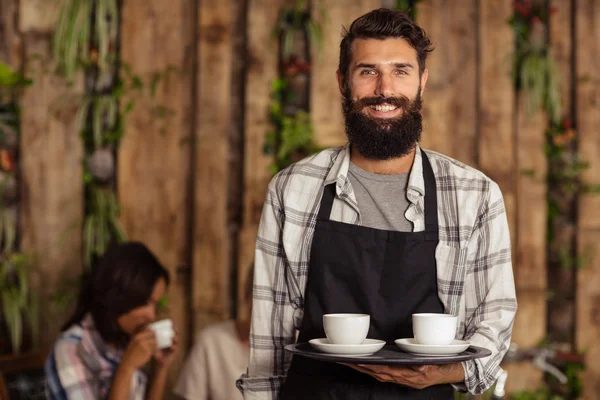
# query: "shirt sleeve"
66,375
272,326
192,383
490,294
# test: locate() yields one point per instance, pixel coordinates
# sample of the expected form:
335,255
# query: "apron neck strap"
431,216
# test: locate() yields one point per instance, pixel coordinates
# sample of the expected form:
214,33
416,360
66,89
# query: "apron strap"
431,215
327,202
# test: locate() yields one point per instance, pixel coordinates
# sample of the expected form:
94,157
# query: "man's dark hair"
123,280
381,24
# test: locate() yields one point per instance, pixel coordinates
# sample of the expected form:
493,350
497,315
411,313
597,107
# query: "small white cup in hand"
163,330
434,329
346,328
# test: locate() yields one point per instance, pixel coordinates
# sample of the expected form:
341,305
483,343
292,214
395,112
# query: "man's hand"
417,377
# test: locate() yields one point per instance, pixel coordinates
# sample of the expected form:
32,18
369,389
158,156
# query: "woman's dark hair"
381,24
122,280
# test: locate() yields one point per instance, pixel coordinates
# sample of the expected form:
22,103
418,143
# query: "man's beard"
383,138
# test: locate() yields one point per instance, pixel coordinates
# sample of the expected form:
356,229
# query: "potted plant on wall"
19,306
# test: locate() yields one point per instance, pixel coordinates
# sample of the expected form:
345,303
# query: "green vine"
535,75
19,304
408,6
534,70
291,138
86,39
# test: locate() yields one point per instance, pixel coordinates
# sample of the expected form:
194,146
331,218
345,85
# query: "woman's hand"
165,357
140,349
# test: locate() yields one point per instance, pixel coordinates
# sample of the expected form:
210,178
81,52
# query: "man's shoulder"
446,167
311,170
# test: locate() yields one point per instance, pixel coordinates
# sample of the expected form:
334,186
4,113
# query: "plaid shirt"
82,367
474,269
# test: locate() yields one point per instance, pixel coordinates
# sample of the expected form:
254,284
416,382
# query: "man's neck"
394,166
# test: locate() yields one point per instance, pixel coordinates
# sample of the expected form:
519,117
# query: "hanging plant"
291,138
535,72
20,305
85,34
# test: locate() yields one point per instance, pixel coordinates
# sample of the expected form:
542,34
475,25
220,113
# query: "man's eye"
367,72
401,72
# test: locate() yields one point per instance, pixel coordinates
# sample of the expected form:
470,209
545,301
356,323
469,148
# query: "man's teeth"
384,108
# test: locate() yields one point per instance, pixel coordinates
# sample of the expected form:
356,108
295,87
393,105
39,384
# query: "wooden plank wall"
176,188
450,108
587,53
326,106
153,167
51,150
211,245
261,71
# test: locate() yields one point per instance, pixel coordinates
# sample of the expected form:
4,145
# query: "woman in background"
104,345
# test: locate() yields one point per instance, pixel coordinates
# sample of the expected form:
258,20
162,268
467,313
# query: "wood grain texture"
562,49
212,248
450,110
496,144
587,42
153,166
326,108
432,15
51,178
38,16
261,61
10,37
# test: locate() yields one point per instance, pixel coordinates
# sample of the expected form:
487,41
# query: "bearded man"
379,227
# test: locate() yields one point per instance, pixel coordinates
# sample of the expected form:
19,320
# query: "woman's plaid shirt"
474,268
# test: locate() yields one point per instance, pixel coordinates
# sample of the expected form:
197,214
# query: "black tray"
390,354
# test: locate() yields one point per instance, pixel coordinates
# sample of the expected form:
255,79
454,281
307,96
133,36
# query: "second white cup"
346,328
434,329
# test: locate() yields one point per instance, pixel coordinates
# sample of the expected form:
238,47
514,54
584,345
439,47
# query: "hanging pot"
101,164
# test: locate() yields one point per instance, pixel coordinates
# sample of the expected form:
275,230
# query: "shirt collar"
339,174
95,340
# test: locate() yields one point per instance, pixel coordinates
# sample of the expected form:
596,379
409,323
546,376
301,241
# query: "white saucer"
411,346
368,347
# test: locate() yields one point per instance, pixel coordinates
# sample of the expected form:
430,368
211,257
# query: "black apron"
355,269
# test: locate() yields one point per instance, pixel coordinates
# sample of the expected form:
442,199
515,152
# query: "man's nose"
384,86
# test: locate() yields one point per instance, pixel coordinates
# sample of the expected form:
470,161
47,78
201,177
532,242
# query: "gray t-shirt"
381,199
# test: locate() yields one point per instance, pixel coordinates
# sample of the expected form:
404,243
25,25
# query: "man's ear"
424,76
341,82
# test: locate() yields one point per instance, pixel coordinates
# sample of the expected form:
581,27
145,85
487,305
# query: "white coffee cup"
434,329
346,328
163,330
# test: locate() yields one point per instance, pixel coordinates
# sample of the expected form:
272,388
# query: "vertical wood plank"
153,167
530,268
212,248
432,15
261,59
10,38
462,61
561,46
51,178
326,106
450,111
587,42
496,105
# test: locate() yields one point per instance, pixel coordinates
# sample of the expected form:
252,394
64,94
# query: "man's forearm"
452,373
